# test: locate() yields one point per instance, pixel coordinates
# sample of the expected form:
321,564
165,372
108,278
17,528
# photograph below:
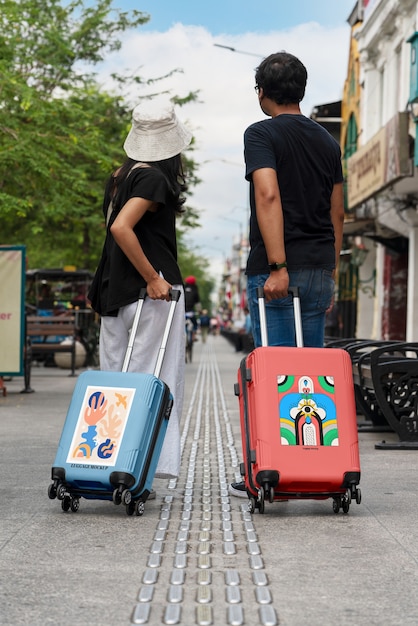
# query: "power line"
251,54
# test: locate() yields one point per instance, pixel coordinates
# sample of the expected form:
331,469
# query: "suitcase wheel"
70,502
336,504
117,497
52,491
121,496
342,502
130,508
75,504
345,505
126,496
356,493
61,491
270,492
258,503
137,507
140,507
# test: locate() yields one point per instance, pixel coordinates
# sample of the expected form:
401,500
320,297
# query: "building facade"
379,265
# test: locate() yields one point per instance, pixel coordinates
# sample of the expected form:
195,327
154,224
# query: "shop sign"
380,162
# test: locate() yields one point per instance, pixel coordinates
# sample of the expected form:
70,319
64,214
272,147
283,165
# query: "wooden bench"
44,335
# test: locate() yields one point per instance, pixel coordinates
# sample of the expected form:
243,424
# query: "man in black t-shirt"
296,198
294,169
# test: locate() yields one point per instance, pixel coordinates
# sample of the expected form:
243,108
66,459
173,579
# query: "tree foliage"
60,133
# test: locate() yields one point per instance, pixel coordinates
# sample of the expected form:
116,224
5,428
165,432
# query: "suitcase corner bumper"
268,477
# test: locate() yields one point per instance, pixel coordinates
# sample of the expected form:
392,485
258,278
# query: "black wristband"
277,266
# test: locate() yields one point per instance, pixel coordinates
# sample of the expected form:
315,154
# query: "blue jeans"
316,288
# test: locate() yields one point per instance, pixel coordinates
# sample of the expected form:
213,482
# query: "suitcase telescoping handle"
175,297
294,291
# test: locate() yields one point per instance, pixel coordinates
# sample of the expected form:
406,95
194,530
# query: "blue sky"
182,36
240,16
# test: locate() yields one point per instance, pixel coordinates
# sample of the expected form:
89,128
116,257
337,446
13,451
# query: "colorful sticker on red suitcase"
307,411
100,426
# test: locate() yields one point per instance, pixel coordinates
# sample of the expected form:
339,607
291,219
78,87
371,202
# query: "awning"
358,227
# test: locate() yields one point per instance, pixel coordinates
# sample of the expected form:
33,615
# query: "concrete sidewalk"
197,556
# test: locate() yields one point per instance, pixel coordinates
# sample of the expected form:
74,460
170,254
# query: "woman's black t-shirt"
156,232
308,164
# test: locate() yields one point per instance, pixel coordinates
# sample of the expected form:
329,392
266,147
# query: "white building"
382,180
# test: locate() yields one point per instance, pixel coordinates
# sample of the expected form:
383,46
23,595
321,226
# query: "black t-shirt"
308,164
156,232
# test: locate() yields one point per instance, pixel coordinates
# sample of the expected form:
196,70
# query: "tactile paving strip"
204,564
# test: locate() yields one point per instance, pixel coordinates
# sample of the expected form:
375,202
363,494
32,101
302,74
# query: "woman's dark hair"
173,172
282,77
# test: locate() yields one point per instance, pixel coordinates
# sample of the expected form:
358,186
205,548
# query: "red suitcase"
298,422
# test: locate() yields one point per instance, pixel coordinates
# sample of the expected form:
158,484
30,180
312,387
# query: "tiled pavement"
197,556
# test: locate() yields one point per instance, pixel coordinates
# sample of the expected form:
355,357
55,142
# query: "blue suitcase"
113,433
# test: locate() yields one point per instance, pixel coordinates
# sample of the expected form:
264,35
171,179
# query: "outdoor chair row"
242,342
385,375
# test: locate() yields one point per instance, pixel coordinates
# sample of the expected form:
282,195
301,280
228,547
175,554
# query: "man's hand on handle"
276,285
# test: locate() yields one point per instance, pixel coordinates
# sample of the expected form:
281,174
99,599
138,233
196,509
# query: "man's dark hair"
282,77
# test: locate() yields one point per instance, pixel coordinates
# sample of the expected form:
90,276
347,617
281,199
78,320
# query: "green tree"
60,134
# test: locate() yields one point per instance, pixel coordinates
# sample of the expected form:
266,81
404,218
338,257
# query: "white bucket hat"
156,133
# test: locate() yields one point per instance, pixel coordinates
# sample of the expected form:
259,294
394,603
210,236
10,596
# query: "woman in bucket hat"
141,201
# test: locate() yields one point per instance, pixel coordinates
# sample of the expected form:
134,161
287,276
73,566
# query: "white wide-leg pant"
114,334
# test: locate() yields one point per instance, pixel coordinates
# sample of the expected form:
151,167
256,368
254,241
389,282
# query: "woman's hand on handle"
159,289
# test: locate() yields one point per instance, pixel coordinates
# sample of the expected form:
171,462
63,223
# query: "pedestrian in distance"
141,201
204,323
333,321
247,323
191,294
192,302
293,166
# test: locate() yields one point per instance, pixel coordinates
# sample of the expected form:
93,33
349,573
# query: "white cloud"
227,104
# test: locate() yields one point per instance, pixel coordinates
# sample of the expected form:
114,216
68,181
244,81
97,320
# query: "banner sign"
12,309
380,162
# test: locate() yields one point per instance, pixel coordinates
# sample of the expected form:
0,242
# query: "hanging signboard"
12,309
380,162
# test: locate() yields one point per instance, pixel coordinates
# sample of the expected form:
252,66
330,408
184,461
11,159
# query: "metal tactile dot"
141,613
205,512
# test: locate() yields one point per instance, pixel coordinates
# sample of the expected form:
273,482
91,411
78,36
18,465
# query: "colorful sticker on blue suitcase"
307,411
100,425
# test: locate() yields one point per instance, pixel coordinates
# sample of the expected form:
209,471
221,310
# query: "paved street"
197,556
